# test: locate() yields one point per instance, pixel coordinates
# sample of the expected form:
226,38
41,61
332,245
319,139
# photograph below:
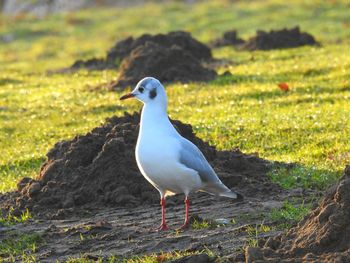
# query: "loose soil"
229,38
278,39
90,199
168,64
172,57
123,48
129,231
322,236
182,39
90,64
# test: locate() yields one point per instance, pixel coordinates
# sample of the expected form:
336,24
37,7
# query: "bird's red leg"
163,225
187,205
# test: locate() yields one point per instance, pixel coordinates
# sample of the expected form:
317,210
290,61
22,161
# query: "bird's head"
149,91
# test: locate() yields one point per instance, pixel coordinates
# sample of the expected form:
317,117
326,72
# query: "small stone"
222,221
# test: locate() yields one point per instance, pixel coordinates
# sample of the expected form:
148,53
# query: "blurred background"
45,7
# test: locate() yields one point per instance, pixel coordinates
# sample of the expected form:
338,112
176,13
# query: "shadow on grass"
277,78
277,93
312,91
240,78
29,34
5,81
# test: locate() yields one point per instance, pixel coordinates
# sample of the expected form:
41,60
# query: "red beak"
127,96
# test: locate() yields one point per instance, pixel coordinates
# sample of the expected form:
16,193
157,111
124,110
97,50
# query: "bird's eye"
141,89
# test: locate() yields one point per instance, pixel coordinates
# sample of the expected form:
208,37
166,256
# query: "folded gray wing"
193,158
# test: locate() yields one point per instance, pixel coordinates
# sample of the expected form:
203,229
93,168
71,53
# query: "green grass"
301,176
14,246
11,219
254,233
202,224
289,214
308,125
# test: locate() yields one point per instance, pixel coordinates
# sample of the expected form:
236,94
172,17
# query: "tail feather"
219,189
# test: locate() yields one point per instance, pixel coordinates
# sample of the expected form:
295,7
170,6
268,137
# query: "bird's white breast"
157,156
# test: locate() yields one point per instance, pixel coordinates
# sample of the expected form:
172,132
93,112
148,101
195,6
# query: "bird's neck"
155,120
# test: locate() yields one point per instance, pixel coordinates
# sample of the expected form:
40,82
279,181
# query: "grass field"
309,125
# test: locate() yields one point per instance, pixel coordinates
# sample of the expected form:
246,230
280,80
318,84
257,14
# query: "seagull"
170,162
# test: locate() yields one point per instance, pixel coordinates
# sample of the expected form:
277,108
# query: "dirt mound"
172,57
322,236
229,38
91,64
99,169
277,39
168,64
123,48
182,39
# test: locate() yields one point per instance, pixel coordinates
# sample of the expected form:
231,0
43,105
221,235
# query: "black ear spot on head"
153,93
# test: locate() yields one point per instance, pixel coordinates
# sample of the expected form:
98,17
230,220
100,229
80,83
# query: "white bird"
170,162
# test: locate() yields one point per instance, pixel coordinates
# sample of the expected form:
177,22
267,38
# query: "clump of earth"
98,169
229,38
123,48
182,39
167,64
279,39
172,57
322,236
